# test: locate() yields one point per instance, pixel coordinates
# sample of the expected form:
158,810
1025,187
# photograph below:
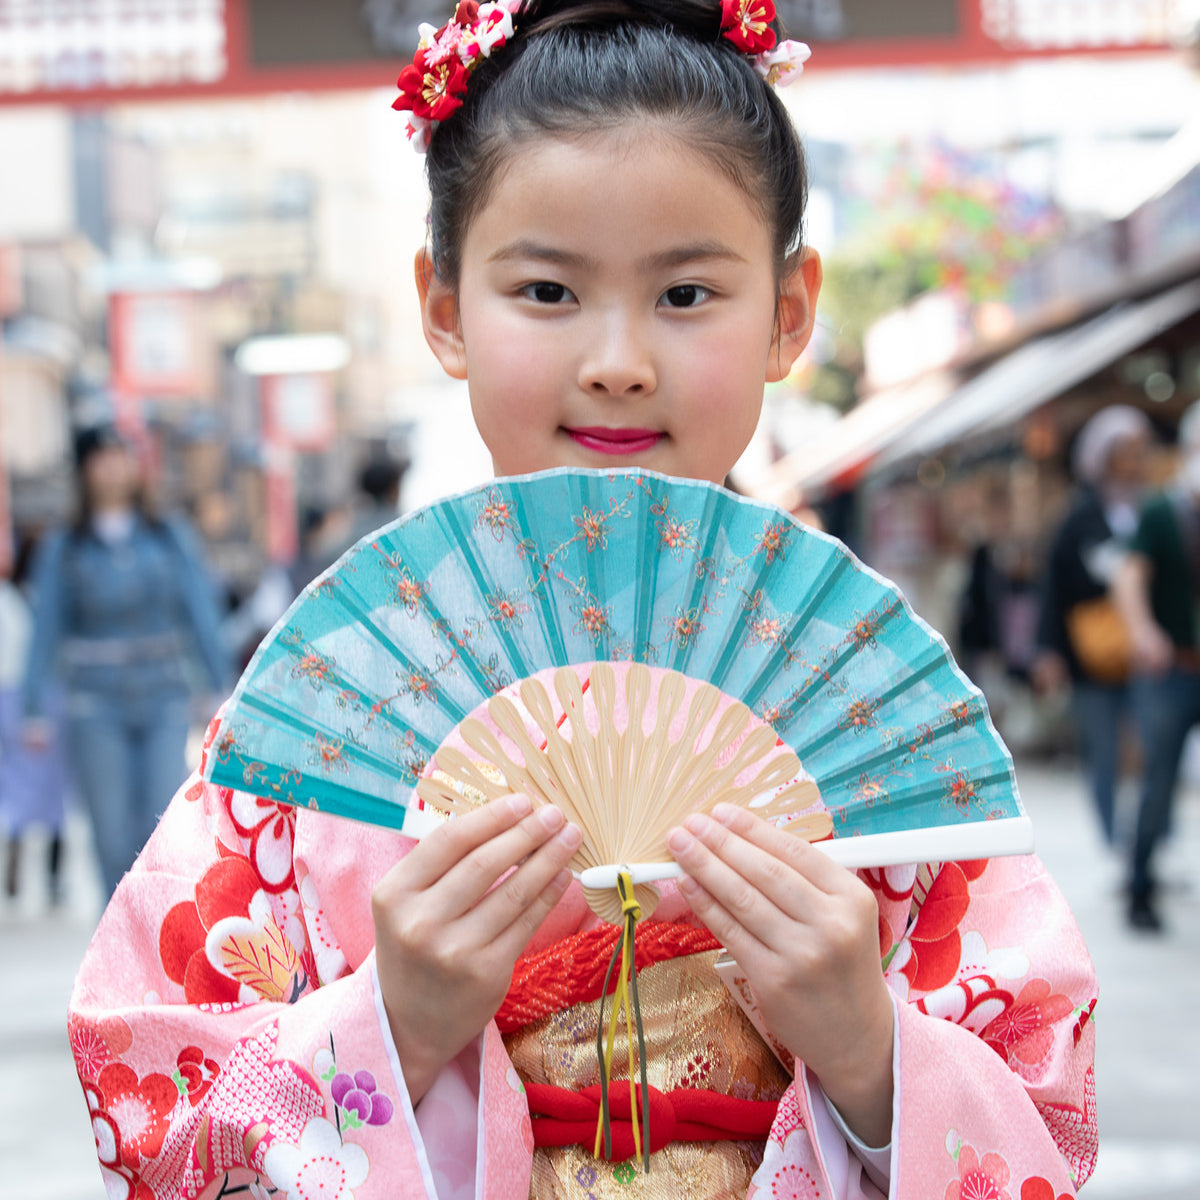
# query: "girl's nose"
620,361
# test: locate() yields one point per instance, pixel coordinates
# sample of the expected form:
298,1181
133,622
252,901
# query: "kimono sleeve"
224,1034
993,1061
995,1040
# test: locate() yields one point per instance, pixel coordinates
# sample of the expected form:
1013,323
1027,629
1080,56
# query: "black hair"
578,66
94,439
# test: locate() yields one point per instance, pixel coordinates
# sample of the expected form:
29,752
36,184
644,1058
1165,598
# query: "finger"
762,857
737,885
452,840
520,892
748,949
798,854
510,942
475,874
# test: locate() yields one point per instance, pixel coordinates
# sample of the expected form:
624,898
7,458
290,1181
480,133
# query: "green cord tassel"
626,995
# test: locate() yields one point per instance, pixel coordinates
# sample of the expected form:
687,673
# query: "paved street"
1148,1052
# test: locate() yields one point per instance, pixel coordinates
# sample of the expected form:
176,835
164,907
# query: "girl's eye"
685,295
546,293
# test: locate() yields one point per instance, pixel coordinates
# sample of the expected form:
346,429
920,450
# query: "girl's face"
617,305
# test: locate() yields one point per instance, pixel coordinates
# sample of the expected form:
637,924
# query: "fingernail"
562,880
724,813
549,817
698,823
688,886
519,805
678,841
571,837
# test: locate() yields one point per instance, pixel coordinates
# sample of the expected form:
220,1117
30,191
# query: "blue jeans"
1099,711
1167,708
127,760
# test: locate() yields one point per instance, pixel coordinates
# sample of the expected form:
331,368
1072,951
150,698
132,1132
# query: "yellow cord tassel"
625,996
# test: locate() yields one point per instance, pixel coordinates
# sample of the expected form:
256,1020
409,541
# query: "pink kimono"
229,1033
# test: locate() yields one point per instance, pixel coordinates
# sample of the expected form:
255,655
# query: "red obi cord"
571,971
562,1117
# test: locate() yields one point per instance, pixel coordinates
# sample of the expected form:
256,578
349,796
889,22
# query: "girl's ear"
797,310
439,317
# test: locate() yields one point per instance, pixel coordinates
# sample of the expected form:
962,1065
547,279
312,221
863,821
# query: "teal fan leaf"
346,701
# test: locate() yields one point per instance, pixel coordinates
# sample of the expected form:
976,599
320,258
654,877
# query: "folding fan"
716,648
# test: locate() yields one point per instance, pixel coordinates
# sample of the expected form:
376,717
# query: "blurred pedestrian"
324,537
378,500
1157,589
33,781
123,603
1081,637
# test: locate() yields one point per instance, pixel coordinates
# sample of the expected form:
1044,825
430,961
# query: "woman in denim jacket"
122,602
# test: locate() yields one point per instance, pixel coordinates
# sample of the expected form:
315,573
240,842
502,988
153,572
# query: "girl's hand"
449,926
806,932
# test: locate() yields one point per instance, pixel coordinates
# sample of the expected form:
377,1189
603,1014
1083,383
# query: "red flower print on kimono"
936,943
1038,1188
227,940
140,1109
196,1072
979,1179
118,1179
96,1043
1024,1033
267,829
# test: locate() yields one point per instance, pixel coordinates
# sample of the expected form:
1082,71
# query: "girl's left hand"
806,932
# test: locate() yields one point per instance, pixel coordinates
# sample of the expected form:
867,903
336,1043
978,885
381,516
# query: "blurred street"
1147,1062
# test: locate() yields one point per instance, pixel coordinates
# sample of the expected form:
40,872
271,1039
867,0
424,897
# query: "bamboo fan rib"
630,769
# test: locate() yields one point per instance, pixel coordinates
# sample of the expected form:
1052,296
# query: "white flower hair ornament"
432,87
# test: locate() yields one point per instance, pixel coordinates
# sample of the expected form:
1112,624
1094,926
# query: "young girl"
281,1002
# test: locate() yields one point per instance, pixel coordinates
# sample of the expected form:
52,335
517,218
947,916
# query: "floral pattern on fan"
365,676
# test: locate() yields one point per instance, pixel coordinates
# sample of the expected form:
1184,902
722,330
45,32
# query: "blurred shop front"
201,178
971,447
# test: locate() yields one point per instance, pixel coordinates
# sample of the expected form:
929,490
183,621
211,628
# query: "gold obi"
696,1037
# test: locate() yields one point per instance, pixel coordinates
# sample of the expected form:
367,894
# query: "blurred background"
208,217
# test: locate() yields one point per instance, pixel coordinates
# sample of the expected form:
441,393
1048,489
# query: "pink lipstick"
615,441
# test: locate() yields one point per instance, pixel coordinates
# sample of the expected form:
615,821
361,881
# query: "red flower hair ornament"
432,88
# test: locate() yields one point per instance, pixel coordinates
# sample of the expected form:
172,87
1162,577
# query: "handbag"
1100,639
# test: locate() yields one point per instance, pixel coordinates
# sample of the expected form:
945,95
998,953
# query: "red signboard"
298,411
172,49
152,340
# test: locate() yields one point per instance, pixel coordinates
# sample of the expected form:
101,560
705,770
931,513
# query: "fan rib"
701,776
516,775
508,720
704,705
590,798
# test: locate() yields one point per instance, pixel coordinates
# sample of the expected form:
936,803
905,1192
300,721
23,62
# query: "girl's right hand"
447,937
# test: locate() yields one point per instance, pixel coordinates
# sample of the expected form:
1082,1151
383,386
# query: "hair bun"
700,19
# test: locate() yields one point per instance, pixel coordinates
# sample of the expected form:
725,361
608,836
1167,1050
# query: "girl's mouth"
615,441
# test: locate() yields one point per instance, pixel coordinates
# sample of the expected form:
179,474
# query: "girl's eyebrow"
525,249
680,256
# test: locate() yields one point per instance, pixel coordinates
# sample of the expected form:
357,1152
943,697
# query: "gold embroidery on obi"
696,1036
